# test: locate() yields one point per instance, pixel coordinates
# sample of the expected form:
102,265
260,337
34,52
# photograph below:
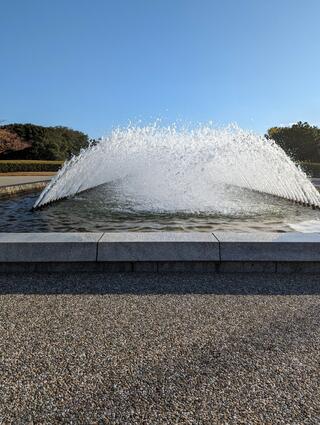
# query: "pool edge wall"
14,189
218,252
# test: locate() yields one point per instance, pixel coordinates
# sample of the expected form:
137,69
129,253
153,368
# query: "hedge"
15,166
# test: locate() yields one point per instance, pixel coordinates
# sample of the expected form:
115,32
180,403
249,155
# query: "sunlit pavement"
160,349
12,180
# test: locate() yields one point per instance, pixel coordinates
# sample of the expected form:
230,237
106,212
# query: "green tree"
46,143
301,141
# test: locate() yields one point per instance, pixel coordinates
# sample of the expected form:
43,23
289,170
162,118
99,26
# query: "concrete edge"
161,252
259,246
22,187
164,246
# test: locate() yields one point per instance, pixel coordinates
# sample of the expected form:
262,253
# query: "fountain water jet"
181,168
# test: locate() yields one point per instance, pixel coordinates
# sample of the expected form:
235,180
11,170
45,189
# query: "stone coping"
6,191
269,246
217,247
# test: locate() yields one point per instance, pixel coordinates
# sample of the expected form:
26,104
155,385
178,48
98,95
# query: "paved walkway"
159,349
12,180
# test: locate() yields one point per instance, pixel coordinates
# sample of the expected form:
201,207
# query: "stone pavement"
12,180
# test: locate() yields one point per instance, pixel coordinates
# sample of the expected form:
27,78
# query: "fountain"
183,169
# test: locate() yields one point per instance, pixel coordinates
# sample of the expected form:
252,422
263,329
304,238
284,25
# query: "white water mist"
176,168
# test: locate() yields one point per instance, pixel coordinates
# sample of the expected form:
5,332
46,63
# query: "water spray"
181,168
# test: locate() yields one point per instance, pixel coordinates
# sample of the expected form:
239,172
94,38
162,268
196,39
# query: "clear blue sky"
96,64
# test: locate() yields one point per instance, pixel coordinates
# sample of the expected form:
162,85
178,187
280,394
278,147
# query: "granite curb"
161,252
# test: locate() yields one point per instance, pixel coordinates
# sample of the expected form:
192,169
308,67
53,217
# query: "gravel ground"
159,349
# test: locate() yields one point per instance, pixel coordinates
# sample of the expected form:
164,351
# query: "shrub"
15,166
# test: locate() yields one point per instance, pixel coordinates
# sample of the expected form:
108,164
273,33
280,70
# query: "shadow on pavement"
153,284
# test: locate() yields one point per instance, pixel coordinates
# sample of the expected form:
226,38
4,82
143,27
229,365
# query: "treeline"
300,141
29,141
